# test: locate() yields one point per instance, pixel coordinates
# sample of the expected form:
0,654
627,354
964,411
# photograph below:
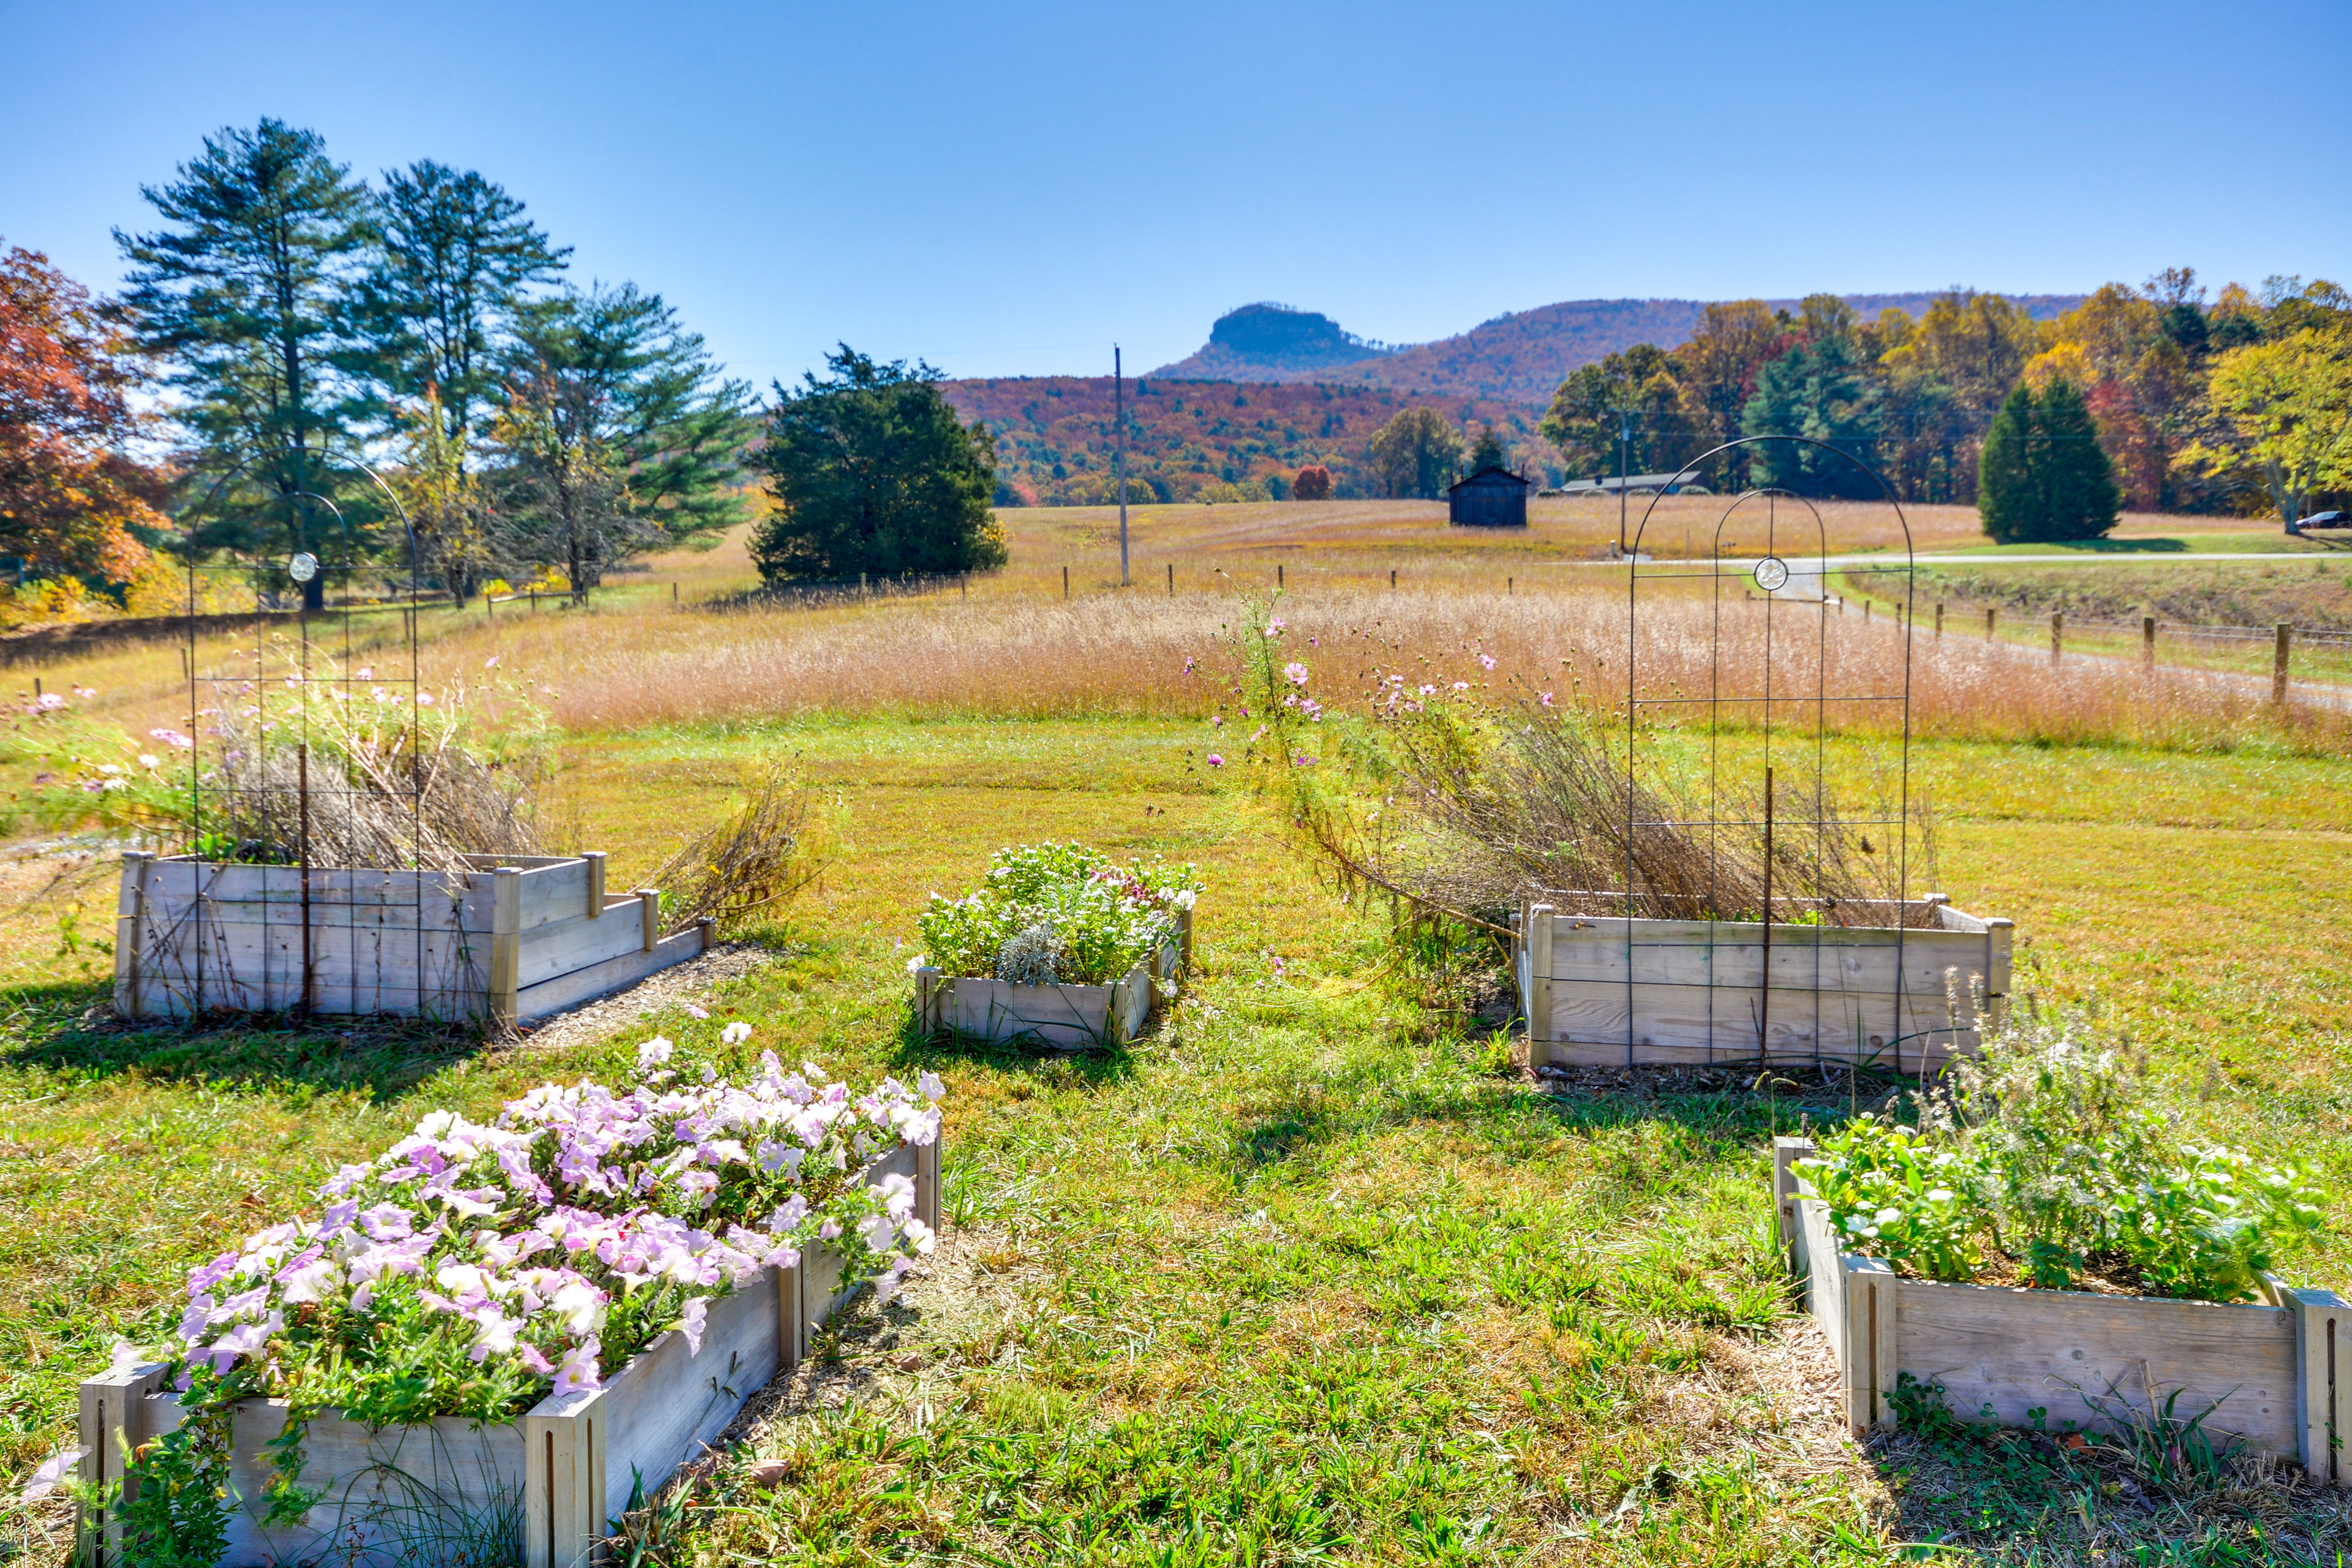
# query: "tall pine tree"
452,255
245,294
621,434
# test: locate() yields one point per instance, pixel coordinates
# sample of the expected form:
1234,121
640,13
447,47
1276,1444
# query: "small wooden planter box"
546,1482
1605,991
2278,1374
515,939
1067,1018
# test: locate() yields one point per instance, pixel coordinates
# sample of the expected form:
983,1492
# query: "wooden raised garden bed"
1605,991
1067,1018
516,937
546,1482
2277,1375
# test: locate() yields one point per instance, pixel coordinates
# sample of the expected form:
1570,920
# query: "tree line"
318,341
2240,403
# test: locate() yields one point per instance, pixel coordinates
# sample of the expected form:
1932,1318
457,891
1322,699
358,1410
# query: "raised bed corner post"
112,1425
2323,1344
505,944
595,858
1785,1152
563,1480
131,931
1540,1023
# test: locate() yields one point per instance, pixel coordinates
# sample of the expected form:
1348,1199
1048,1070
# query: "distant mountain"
1520,358
1273,342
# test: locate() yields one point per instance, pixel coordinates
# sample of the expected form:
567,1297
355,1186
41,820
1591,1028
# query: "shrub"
2041,475
1056,912
1314,483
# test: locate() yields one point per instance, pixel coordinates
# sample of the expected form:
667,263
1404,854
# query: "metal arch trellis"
1771,573
342,895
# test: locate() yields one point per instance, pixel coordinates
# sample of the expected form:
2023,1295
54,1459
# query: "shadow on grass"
1090,1069
2153,1494
64,1027
1729,1105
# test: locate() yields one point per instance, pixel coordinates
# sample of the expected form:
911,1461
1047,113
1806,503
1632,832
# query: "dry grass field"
1316,1272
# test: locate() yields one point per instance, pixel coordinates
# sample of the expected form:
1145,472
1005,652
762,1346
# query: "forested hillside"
1521,357
1204,440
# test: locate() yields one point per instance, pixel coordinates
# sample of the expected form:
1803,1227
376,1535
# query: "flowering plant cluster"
1056,912
2046,1159
471,1268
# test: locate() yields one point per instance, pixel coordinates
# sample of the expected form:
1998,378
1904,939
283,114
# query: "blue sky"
1008,190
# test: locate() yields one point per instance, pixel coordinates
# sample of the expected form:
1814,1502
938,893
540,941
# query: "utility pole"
1624,472
1119,416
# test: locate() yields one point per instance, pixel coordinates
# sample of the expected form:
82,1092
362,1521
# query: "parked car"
2321,520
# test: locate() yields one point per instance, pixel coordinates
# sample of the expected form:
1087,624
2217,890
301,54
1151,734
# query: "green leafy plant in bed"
1056,913
2050,1155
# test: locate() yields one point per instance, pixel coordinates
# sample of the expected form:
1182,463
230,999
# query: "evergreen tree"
2080,497
2042,476
1817,390
452,254
1486,452
2007,501
872,471
619,433
245,295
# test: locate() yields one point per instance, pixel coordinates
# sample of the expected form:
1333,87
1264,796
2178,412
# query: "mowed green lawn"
1315,1273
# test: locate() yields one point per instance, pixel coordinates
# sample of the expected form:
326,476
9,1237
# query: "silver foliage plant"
1033,956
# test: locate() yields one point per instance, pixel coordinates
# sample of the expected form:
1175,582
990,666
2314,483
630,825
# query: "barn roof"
1489,475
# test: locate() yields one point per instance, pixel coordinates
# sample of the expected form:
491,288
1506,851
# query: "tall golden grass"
1013,644
1137,654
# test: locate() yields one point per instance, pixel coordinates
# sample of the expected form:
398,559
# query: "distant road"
1805,586
1888,558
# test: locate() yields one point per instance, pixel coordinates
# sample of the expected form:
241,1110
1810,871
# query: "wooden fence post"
650,913
792,1320
1392,579
1988,614
2147,643
1172,579
2286,634
1940,621
926,1183
2057,629
1869,1355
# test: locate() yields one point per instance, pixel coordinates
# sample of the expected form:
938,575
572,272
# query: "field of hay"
1317,1272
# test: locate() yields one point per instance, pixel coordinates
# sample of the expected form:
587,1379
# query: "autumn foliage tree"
70,492
1314,483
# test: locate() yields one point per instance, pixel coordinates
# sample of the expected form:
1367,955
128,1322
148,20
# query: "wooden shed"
1491,498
